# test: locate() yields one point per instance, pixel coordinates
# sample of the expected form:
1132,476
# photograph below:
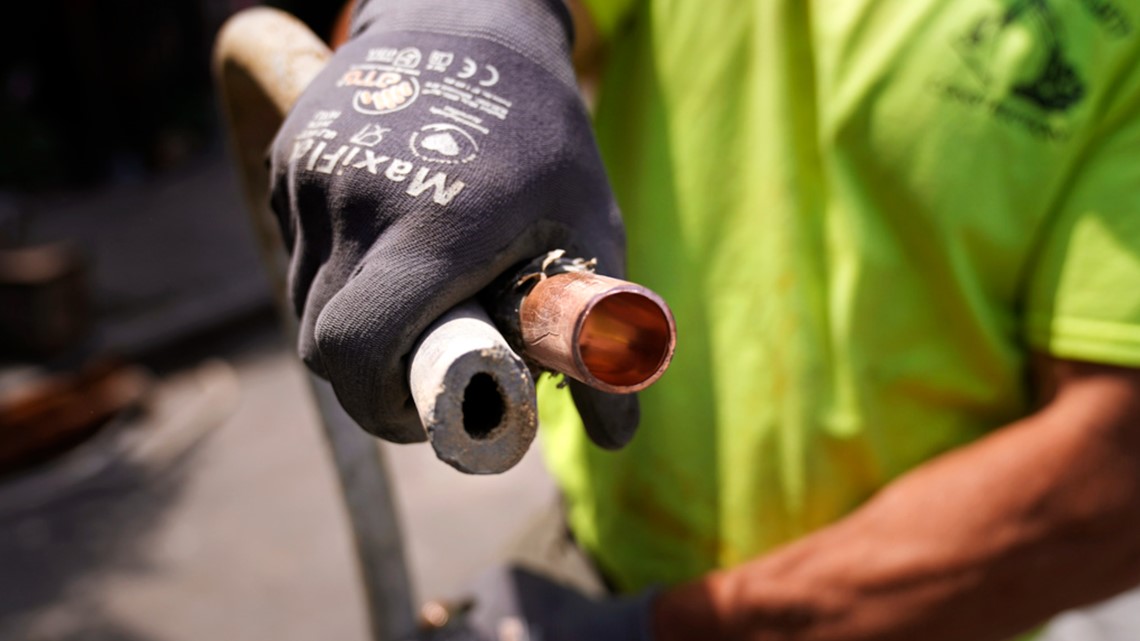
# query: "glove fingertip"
360,359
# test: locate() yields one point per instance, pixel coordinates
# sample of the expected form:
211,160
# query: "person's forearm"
979,544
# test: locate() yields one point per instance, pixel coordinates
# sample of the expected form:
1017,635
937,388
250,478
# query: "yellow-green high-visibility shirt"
866,215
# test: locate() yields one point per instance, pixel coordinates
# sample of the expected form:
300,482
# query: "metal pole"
263,59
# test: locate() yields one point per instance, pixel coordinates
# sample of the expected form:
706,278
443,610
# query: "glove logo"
370,136
381,91
443,143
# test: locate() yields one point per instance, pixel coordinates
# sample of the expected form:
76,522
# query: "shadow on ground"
50,552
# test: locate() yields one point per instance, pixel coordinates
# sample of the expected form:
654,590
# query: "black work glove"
444,143
515,604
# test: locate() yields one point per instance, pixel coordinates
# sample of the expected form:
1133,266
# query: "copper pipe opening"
610,334
624,340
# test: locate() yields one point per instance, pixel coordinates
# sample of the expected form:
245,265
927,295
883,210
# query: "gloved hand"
443,144
514,604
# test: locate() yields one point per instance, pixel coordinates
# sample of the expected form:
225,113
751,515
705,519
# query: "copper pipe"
610,334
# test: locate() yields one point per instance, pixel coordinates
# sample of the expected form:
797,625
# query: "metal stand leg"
263,59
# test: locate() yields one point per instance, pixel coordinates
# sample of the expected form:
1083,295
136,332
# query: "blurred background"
163,475
162,470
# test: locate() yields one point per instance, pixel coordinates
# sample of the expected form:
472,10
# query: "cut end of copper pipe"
610,334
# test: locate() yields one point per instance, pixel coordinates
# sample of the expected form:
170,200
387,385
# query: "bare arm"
979,544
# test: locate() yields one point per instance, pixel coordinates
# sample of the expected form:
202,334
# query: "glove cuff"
539,30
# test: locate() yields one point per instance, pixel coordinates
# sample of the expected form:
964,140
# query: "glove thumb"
610,419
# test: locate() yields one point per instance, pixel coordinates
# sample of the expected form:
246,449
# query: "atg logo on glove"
383,91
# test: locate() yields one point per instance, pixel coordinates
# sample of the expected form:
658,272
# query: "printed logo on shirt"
1043,75
1110,16
1018,64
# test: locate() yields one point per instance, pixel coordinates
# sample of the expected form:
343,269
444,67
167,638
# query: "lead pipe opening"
483,407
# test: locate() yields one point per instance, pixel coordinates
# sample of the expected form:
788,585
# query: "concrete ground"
245,539
243,536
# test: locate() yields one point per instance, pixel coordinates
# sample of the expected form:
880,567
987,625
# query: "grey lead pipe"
475,396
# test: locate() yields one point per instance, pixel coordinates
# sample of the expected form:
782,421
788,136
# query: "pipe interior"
624,339
483,406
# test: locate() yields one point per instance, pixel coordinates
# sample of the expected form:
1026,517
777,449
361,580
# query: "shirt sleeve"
609,15
1084,290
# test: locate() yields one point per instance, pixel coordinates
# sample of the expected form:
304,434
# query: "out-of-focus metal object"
44,302
144,427
50,414
437,615
263,59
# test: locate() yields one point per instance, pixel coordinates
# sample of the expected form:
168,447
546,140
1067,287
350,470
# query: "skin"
981,543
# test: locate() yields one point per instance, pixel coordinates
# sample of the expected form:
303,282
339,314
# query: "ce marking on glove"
470,69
